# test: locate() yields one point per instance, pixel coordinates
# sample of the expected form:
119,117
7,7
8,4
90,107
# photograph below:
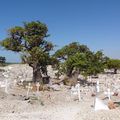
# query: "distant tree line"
73,59
2,61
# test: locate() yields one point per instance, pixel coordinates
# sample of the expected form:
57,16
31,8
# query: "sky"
95,23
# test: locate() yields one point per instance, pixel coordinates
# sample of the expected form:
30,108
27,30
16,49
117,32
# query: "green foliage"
79,58
2,61
29,41
96,63
25,38
36,55
70,50
113,64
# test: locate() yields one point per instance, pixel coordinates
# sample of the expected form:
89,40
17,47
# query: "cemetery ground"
22,101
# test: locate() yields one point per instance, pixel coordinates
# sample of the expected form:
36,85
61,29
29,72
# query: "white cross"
38,86
97,87
6,82
108,93
4,85
76,90
28,87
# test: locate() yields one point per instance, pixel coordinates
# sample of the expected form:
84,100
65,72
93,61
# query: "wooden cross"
28,87
108,93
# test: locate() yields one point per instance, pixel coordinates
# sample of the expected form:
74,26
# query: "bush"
2,61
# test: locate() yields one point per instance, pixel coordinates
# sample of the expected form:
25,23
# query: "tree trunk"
115,71
46,78
37,76
69,72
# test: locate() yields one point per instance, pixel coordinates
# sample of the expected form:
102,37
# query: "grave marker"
76,90
97,87
38,87
99,105
4,85
28,89
108,93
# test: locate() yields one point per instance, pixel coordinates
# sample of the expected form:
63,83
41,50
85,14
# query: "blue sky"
95,23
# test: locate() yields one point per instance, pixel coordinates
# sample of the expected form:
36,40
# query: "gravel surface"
51,105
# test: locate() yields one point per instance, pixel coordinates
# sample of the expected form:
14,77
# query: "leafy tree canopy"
113,64
29,40
69,50
79,58
2,60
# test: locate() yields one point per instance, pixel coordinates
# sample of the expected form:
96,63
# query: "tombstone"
28,89
76,90
108,93
99,105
